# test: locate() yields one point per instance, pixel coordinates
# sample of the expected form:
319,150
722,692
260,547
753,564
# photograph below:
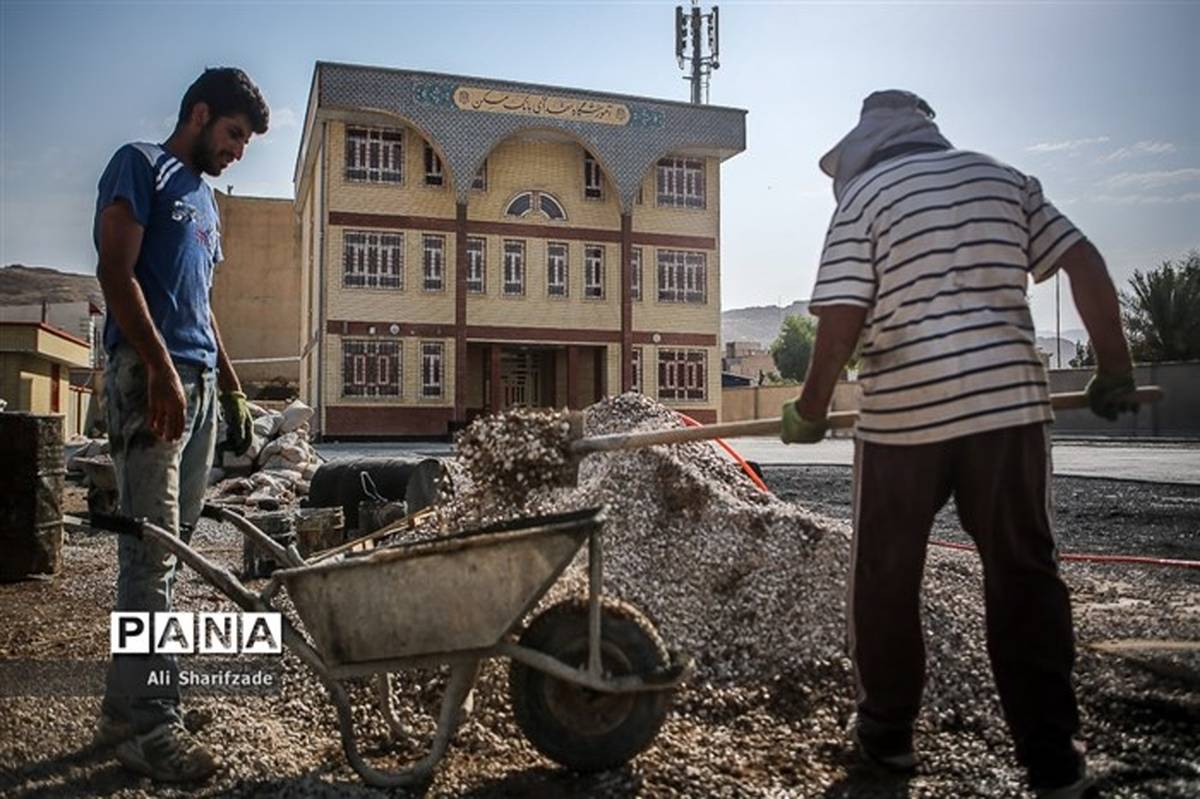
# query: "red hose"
1141,559
754,478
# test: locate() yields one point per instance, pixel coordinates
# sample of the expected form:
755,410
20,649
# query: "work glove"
1108,394
798,430
239,425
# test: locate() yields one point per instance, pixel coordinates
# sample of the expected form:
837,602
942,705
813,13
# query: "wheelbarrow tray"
450,594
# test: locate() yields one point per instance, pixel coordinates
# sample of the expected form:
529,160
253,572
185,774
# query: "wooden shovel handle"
772,426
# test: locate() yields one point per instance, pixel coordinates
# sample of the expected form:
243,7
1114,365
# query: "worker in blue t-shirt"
158,236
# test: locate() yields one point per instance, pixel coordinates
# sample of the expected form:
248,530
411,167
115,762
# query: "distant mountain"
758,323
1046,343
28,285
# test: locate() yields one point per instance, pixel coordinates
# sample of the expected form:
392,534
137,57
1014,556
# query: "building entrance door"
520,378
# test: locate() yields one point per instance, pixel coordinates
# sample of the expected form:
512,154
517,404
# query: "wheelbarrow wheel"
577,727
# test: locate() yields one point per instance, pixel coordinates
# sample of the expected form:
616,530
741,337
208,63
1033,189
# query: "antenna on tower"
687,32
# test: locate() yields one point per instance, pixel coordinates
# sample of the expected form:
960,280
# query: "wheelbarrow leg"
383,687
462,680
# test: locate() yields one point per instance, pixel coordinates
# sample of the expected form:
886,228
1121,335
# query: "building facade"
256,290
36,360
468,245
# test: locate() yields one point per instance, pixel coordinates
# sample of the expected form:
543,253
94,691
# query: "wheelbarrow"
590,680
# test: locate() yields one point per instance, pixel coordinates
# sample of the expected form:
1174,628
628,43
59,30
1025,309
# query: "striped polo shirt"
940,247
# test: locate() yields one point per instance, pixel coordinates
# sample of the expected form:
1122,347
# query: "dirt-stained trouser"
163,482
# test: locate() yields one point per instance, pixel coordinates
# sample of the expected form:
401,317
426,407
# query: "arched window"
520,205
528,202
551,207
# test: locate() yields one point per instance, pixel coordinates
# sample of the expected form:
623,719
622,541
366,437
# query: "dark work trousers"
1000,481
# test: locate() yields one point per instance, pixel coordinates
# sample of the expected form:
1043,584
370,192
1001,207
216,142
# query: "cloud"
1152,180
1146,199
1068,145
283,118
1140,148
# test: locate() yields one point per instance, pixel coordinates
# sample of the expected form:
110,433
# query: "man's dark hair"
227,91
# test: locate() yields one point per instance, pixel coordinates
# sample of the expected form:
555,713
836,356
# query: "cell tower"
687,31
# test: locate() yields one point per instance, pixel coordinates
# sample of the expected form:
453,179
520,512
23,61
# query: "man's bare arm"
837,335
227,379
1096,300
120,243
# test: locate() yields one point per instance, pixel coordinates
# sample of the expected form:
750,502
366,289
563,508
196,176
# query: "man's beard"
204,155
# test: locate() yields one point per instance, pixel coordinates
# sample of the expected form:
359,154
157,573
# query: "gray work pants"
162,482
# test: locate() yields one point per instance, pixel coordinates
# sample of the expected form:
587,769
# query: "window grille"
593,271
681,182
375,155
682,276
432,360
557,269
372,260
434,263
681,374
476,265
370,367
514,267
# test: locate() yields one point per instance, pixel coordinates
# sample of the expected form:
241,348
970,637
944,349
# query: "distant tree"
1084,355
793,346
1162,311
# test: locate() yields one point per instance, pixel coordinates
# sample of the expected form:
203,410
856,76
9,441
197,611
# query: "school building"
470,244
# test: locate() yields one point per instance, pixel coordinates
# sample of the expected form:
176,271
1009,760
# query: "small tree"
1161,311
1084,355
793,346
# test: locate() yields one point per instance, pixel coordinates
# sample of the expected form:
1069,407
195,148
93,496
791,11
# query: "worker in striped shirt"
925,266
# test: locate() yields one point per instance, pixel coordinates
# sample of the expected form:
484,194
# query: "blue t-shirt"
181,243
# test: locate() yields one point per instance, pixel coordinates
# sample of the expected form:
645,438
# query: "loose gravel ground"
753,586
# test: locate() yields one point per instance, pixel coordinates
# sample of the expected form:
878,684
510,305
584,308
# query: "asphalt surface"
1159,462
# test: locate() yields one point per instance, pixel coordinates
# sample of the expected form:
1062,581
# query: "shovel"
581,445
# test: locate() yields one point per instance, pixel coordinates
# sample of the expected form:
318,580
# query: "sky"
1100,101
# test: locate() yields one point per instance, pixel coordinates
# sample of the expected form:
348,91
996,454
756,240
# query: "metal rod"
623,684
594,666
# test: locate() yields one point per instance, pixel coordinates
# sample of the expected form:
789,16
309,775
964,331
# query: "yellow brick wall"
411,304
536,308
410,374
649,218
520,164
411,197
650,377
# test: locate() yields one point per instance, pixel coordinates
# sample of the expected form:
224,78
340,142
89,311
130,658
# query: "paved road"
1164,463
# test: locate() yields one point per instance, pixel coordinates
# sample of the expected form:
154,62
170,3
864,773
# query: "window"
433,167
556,269
681,374
593,271
681,276
434,263
520,205
681,182
640,197
476,265
479,182
551,207
375,155
528,202
593,182
514,267
635,274
372,260
432,360
370,367
635,361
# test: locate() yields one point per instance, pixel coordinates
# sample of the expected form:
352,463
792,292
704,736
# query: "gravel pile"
749,584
